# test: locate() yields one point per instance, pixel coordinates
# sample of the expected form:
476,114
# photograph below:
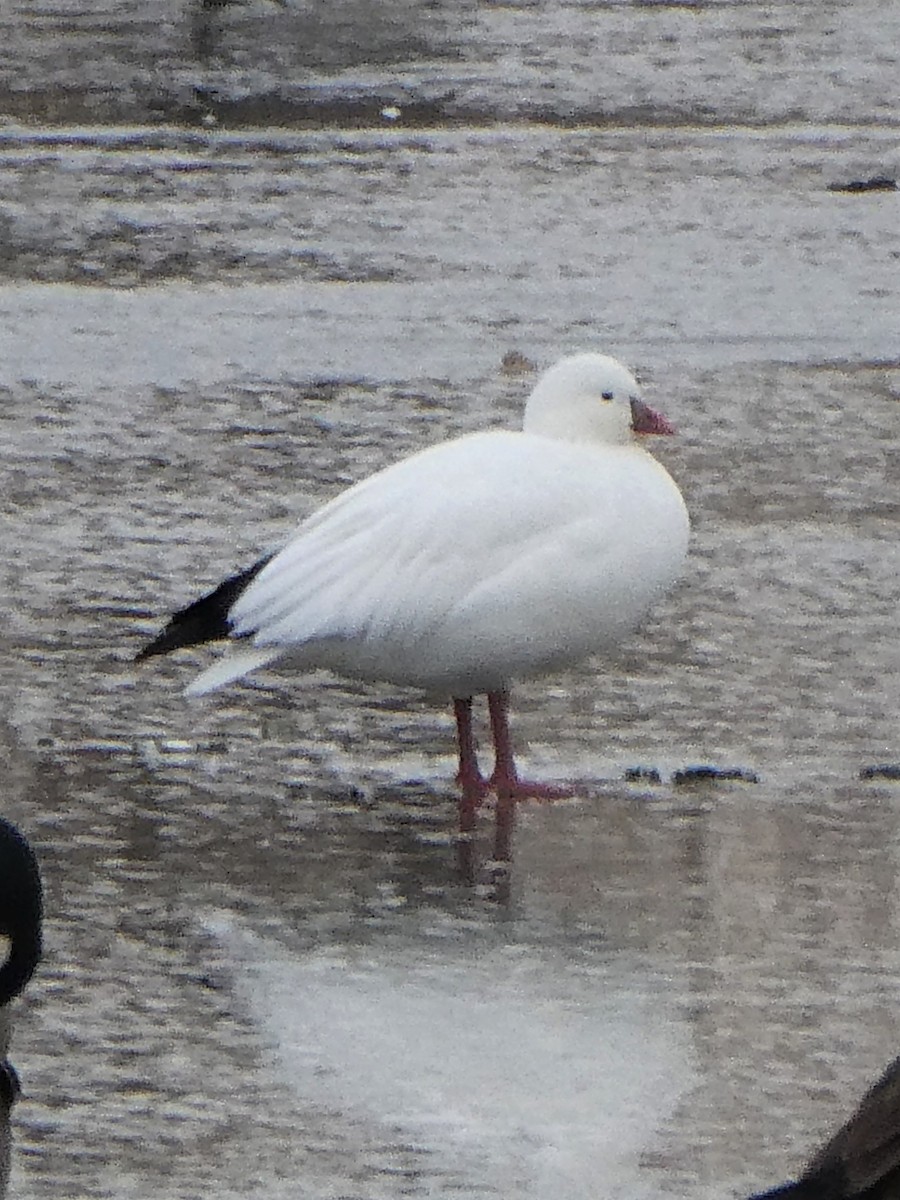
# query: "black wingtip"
206,620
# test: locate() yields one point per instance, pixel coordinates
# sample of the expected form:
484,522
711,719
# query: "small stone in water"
881,771
701,774
642,775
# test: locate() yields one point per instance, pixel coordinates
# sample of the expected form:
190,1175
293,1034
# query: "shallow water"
264,971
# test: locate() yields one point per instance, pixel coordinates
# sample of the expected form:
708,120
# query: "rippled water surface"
249,254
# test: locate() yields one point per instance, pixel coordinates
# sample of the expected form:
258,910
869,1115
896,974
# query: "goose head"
591,398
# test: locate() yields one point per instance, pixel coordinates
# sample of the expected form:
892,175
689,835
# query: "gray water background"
249,256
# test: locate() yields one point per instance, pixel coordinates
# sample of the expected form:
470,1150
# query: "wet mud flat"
304,834
264,971
616,64
528,239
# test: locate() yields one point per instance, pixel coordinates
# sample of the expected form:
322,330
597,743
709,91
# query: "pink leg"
474,786
505,780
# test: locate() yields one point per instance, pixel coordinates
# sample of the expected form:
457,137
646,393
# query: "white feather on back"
492,556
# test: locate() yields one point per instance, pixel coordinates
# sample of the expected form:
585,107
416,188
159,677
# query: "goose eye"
606,396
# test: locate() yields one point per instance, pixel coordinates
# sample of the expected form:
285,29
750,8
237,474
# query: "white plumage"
482,560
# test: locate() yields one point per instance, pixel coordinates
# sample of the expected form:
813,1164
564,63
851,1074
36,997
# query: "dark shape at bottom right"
862,1160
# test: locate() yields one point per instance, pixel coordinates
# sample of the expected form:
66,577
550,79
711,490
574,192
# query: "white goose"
467,566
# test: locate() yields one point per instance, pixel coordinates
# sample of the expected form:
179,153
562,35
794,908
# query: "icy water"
248,255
